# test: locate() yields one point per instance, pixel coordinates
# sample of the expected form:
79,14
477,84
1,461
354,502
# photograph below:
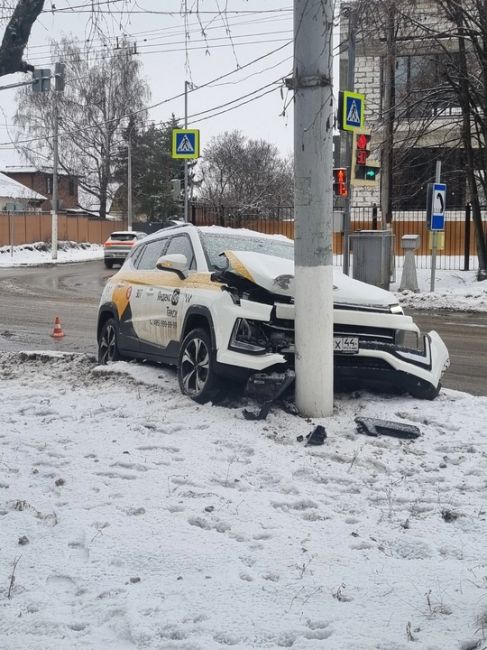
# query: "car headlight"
248,336
409,340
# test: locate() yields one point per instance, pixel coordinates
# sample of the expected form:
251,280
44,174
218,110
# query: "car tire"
108,343
196,373
108,264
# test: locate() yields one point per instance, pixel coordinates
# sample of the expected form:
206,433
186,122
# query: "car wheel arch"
105,313
199,317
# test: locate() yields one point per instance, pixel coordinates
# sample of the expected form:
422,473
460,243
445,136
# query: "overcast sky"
247,31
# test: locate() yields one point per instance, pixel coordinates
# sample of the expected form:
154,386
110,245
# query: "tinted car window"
182,245
150,254
122,236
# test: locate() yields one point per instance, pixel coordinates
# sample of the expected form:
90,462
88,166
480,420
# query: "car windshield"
122,236
214,244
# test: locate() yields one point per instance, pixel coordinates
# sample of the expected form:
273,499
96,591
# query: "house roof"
14,190
19,169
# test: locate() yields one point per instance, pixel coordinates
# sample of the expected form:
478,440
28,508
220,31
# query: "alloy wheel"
195,366
108,345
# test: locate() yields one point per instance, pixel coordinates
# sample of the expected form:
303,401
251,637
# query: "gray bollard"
409,278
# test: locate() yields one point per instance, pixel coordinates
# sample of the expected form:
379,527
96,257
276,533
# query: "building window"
422,88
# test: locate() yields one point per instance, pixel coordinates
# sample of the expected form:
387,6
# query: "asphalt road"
32,297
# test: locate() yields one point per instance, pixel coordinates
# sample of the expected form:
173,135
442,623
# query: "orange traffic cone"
58,330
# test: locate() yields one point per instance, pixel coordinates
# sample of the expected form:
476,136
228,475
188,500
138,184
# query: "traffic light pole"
352,25
313,201
186,168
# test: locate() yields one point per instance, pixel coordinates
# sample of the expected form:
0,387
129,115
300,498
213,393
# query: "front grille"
354,361
365,335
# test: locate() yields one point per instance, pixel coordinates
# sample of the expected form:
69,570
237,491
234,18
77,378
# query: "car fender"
106,310
199,311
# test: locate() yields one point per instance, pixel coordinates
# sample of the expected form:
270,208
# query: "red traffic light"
340,187
362,152
362,141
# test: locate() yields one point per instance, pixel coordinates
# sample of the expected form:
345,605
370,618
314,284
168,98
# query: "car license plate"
345,344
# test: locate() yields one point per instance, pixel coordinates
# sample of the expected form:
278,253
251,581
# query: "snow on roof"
14,190
19,169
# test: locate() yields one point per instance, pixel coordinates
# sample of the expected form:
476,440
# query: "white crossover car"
218,302
118,246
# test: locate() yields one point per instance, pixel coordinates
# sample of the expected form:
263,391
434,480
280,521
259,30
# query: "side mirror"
175,262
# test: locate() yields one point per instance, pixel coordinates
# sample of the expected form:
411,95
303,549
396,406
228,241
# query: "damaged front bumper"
378,349
392,368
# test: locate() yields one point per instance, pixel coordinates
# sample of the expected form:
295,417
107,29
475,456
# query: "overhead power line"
90,7
8,145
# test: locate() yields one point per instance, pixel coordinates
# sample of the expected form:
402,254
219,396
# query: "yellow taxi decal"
238,267
120,297
161,279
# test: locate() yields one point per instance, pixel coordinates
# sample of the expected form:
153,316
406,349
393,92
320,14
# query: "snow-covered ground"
40,253
136,518
131,517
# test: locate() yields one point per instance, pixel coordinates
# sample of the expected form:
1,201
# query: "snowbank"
40,253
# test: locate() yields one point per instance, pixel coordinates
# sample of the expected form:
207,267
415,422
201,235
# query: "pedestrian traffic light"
340,187
364,171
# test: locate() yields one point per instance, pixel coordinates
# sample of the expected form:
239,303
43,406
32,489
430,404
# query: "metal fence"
456,246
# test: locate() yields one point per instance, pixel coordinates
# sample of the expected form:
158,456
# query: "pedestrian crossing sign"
185,143
351,114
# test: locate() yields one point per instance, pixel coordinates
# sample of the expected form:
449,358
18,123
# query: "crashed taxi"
219,302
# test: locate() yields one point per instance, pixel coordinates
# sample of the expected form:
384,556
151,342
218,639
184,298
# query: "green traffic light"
371,174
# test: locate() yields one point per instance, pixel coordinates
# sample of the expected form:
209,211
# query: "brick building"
40,180
427,114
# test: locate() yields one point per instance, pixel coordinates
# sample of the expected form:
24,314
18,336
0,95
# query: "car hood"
276,275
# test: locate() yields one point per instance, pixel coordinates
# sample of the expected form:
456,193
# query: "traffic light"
340,187
41,80
364,171
59,72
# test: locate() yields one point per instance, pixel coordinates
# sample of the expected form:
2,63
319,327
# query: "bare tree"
16,36
462,40
433,99
99,98
245,174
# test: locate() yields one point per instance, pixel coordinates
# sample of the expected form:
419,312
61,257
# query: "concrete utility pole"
352,27
58,88
313,200
130,214
54,198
